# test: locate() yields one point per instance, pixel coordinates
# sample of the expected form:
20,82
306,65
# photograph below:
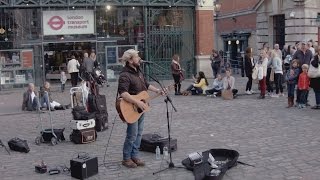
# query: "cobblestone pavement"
281,143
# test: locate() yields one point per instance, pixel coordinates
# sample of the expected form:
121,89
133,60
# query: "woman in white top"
73,70
278,72
263,63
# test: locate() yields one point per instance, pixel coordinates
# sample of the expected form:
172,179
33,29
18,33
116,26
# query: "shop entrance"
56,56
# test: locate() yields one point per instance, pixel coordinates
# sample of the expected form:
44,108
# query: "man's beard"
137,65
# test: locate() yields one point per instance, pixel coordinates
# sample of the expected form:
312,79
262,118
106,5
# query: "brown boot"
139,162
129,163
292,101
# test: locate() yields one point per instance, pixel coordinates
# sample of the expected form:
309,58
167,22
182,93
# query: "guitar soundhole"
139,110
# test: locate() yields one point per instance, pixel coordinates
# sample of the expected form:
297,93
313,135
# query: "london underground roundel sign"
56,22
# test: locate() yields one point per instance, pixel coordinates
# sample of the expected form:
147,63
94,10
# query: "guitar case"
202,171
149,143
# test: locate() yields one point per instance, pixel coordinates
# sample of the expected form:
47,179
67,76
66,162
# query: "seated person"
199,86
217,86
30,100
46,99
228,83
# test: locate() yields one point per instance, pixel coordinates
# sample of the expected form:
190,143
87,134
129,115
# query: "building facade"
38,37
255,22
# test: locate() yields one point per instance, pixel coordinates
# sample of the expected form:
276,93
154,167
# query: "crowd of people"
273,70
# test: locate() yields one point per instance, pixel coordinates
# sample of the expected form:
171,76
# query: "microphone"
146,62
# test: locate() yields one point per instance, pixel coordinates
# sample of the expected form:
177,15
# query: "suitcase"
82,124
101,121
149,143
47,134
97,103
83,136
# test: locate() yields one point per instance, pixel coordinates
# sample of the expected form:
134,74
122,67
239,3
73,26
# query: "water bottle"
158,153
165,152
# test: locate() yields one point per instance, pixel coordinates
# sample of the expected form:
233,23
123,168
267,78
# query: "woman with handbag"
262,66
249,65
176,73
228,85
315,77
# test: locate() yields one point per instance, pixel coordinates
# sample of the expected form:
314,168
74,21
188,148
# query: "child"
303,86
292,79
63,79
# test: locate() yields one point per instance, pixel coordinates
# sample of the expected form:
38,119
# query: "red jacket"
304,81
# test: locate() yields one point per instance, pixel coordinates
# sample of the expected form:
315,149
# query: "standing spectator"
315,82
292,80
277,67
303,54
176,73
303,86
215,63
263,63
73,70
278,51
88,66
310,47
30,100
228,83
249,64
63,80
217,86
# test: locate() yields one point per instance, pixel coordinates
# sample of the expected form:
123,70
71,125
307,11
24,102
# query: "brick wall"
245,22
232,6
204,32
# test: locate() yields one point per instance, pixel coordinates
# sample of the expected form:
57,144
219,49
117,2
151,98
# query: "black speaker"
84,167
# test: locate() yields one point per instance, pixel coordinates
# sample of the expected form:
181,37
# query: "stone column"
204,35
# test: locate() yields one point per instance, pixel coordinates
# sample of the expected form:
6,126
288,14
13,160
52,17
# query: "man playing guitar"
132,82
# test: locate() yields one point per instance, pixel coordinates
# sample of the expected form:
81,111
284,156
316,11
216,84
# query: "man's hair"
73,57
86,55
128,54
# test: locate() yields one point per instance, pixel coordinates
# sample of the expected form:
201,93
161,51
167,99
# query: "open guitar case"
202,171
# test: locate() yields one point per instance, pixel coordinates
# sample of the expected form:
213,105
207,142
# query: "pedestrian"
292,80
315,82
132,82
249,64
215,63
176,73
88,66
63,80
30,100
262,65
276,62
303,86
73,70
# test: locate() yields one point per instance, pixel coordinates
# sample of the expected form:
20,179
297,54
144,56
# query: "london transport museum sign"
68,22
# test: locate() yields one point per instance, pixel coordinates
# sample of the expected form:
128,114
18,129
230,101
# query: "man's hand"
141,105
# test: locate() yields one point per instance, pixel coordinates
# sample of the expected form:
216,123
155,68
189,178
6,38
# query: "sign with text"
27,58
68,22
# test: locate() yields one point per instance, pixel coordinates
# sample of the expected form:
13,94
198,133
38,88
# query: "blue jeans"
291,88
303,97
317,94
133,139
44,101
195,90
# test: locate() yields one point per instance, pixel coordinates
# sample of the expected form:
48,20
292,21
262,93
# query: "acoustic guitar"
130,113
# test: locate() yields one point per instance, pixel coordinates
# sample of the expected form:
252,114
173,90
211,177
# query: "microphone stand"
167,100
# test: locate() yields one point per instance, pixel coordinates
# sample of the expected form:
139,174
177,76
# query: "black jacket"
315,82
248,67
132,81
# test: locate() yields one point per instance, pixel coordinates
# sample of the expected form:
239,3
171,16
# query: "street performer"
132,82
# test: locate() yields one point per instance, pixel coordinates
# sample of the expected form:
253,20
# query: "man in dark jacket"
30,100
132,82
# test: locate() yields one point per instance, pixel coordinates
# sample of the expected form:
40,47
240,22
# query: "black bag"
17,144
80,113
83,136
202,171
149,143
101,121
97,103
47,134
